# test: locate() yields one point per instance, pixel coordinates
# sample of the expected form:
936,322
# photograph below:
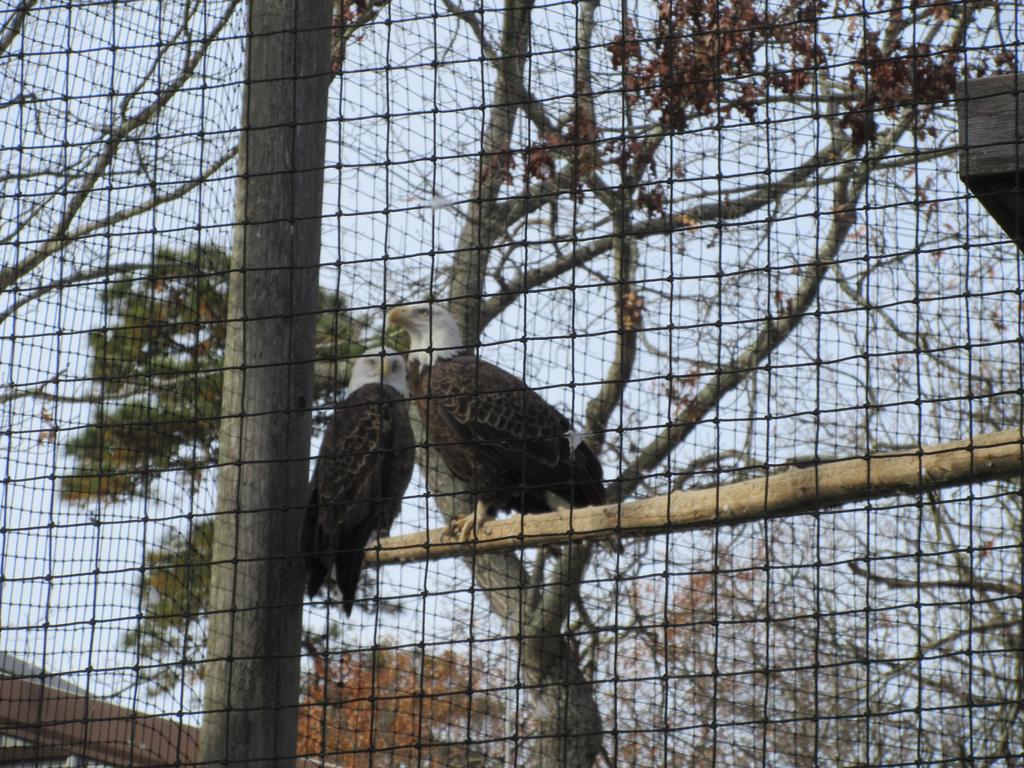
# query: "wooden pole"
251,674
795,491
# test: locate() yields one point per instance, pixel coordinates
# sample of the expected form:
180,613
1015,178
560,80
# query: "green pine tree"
156,376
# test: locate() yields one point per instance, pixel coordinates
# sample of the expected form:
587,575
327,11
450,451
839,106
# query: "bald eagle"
513,449
365,463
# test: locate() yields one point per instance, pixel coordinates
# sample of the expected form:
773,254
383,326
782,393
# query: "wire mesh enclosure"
723,296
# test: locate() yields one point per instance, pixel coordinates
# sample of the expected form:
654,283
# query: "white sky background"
392,214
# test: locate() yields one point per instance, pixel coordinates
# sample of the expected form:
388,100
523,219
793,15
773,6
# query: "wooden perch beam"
792,492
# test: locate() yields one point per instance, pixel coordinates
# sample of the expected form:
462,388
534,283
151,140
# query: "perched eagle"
494,433
364,468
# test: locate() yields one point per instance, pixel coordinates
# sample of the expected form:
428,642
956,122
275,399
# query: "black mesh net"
727,240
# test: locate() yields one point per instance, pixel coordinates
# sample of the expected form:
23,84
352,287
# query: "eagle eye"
421,311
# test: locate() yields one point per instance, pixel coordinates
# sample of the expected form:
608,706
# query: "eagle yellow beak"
395,331
395,316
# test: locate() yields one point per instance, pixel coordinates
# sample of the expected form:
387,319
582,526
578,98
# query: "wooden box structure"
990,111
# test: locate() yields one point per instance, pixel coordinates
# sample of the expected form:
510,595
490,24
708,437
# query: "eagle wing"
496,411
498,431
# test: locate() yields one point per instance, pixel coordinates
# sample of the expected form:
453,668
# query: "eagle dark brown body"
365,464
502,438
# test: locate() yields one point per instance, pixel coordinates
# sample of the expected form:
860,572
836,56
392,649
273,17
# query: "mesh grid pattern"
743,220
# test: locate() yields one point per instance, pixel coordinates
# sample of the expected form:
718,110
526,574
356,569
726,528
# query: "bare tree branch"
515,86
41,393
77,278
349,27
483,225
115,135
721,210
157,200
13,28
849,185
629,314
974,584
774,332
563,590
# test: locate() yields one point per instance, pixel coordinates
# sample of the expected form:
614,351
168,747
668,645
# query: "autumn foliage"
700,60
700,48
399,706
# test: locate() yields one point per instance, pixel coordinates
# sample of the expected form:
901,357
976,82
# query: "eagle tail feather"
348,567
312,543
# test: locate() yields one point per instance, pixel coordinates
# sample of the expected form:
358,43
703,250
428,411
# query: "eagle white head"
433,332
379,365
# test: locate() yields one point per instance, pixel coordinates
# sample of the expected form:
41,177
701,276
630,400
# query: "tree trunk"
564,712
251,674
564,709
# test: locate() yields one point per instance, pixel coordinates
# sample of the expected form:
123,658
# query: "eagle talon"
462,528
469,527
